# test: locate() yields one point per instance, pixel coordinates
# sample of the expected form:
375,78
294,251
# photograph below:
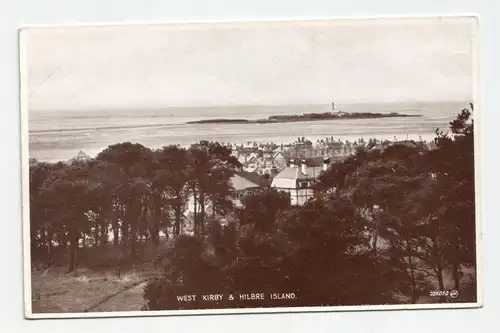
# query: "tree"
220,189
67,188
260,210
105,196
210,169
309,252
41,228
453,216
189,270
329,263
171,178
136,162
421,202
380,184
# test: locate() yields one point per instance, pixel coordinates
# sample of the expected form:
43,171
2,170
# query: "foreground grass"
95,286
85,290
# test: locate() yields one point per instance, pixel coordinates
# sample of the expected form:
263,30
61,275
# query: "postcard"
251,167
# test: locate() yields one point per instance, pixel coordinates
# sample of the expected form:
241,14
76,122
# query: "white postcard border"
478,141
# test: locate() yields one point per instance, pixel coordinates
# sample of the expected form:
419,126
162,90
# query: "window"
303,184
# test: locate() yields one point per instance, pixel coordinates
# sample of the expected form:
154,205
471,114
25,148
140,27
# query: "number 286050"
437,293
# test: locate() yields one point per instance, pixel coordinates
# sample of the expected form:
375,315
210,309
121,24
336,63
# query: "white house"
279,159
297,180
80,157
243,183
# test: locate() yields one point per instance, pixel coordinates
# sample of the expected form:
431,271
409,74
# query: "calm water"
58,135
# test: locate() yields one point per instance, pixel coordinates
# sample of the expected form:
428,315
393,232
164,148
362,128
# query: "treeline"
384,227
129,191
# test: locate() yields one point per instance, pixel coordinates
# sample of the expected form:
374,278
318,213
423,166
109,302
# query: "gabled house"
253,167
267,154
80,157
252,158
297,180
242,158
279,159
243,183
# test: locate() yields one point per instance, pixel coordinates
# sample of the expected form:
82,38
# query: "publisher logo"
454,293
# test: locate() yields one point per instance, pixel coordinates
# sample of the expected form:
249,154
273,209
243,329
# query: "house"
252,158
280,149
378,146
334,147
235,153
279,156
279,159
252,167
243,183
242,158
267,154
80,157
431,145
297,180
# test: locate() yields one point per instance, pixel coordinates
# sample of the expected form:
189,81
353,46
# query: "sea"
58,135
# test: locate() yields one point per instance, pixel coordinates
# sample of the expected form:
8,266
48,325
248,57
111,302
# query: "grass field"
96,285
55,291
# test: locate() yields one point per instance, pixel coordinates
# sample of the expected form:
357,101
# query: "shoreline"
305,118
92,151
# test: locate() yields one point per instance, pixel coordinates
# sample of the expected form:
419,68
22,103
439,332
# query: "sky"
266,63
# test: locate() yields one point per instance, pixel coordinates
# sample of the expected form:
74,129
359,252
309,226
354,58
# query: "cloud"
285,63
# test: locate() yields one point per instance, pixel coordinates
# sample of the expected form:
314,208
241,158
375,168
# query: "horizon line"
94,108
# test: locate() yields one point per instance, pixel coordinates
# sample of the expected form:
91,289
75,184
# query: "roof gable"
296,173
278,154
244,180
254,178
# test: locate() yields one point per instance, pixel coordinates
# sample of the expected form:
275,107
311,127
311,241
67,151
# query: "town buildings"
295,167
270,159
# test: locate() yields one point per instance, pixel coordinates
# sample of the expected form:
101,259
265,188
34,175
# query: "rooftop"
295,172
254,177
81,156
243,180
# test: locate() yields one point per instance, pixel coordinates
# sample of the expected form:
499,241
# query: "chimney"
304,167
326,162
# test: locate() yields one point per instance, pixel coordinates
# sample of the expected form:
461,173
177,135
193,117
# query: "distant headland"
305,117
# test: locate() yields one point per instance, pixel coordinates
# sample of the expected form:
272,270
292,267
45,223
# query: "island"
306,117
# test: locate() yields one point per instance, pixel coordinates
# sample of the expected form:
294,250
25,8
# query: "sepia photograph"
250,167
